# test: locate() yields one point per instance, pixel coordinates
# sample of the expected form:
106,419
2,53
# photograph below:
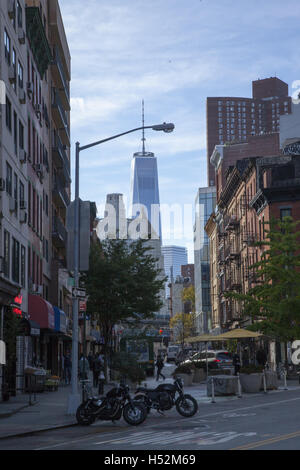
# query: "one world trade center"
144,190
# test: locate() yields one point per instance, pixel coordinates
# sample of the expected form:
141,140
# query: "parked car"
217,359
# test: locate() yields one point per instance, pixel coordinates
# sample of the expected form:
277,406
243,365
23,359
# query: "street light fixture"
74,397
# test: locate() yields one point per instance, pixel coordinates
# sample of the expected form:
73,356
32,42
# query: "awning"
238,333
60,320
201,339
41,311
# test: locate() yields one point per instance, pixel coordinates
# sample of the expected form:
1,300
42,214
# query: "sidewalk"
18,417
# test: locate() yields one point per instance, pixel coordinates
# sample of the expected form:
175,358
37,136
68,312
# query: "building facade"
174,258
204,207
31,32
231,119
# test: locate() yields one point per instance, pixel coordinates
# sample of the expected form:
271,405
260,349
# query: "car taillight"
217,360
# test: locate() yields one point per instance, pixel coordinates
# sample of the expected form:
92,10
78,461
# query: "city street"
261,422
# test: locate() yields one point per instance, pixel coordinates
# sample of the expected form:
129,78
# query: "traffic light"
160,332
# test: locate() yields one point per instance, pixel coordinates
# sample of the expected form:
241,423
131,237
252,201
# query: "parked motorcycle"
111,407
163,398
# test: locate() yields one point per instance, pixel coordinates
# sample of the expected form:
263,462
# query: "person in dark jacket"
159,364
236,363
97,367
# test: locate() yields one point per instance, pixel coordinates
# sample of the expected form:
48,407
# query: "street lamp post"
74,397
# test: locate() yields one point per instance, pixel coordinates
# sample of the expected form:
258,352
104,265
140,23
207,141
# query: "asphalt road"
264,422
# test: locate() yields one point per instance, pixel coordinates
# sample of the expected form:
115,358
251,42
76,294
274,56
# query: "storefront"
42,312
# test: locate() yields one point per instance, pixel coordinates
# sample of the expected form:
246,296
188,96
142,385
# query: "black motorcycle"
163,398
111,407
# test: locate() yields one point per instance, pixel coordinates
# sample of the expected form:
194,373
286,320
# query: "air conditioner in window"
23,205
11,8
12,204
21,35
12,76
23,156
2,184
23,217
22,96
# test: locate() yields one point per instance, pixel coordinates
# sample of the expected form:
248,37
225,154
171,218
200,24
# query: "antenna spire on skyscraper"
143,123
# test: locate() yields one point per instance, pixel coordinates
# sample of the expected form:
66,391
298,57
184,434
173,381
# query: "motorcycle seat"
144,389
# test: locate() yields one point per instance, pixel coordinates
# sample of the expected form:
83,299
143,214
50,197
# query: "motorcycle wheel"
142,399
83,415
186,406
136,414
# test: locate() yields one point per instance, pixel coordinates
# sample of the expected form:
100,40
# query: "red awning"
41,312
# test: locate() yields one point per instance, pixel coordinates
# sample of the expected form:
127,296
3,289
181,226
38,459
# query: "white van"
172,353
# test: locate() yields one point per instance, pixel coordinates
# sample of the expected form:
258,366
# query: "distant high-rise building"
231,119
144,189
174,258
205,205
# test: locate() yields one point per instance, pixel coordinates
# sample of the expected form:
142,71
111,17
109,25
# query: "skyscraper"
174,258
205,205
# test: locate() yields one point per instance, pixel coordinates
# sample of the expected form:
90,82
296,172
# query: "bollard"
265,381
239,386
213,390
284,376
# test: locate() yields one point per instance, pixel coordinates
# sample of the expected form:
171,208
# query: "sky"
172,54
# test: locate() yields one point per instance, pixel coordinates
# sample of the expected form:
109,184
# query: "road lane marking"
273,440
112,431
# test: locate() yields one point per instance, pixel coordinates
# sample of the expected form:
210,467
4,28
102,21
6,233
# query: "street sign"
82,306
78,293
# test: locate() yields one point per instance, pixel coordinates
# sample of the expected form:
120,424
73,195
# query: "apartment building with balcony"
256,189
35,137
13,168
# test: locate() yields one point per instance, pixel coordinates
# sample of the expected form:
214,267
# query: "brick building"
232,119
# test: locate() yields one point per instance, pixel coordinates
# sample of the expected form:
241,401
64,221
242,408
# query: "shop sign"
82,306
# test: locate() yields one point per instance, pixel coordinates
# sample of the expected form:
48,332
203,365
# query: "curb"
37,431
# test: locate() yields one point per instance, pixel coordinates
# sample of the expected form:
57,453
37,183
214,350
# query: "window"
14,65
15,260
22,194
8,179
16,133
23,265
7,47
21,135
19,15
8,114
6,252
16,189
20,75
286,212
29,203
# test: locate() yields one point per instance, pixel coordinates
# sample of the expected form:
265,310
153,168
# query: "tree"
182,325
274,302
188,296
122,285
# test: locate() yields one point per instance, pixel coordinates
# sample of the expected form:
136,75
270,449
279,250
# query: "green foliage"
251,369
122,284
274,302
182,325
127,366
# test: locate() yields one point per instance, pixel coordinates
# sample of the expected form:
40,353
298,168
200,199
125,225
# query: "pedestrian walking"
261,357
68,368
90,359
236,363
159,364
